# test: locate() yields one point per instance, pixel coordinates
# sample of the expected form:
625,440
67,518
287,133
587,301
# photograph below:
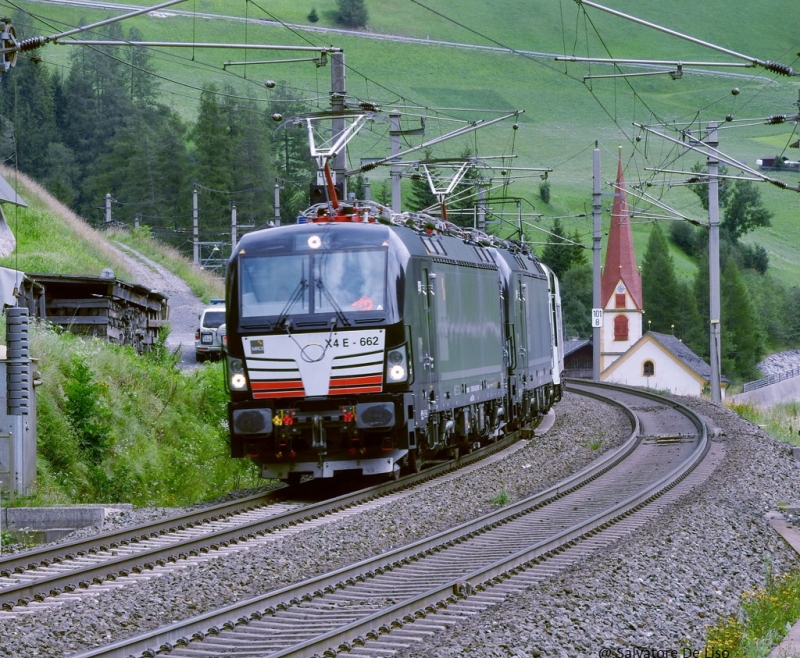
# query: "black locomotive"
362,340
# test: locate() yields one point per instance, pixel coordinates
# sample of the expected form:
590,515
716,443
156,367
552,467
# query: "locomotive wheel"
414,461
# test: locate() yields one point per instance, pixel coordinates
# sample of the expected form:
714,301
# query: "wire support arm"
775,67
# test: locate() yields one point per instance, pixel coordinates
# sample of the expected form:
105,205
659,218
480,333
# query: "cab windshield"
330,281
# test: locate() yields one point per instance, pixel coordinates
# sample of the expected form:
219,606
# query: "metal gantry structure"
331,157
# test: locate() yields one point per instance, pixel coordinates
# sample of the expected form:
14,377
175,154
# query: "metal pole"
713,260
596,238
108,208
195,229
277,204
234,236
481,208
394,133
338,95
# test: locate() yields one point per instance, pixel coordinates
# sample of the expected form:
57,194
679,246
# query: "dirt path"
133,267
184,305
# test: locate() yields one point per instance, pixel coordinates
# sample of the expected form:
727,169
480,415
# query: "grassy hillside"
502,59
114,426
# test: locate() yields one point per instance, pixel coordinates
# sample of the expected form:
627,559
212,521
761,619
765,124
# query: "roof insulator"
779,68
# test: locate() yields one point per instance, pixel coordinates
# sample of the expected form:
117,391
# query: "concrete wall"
786,391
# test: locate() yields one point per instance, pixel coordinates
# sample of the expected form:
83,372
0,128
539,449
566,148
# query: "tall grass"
113,426
765,616
565,115
781,421
117,427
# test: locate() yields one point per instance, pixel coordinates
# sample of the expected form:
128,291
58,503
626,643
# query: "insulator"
779,68
775,119
31,43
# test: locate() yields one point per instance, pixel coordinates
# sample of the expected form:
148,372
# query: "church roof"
620,257
679,350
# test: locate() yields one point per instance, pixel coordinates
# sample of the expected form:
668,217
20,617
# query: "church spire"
620,257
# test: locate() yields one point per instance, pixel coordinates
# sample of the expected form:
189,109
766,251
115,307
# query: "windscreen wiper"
339,313
296,295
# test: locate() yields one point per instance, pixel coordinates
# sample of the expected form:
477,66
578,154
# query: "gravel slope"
659,587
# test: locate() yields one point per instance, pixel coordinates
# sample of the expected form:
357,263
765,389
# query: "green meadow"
475,61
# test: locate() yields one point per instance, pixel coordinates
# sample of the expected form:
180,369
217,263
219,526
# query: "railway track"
35,579
399,598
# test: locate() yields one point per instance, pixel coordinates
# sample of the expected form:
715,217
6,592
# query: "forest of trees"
102,129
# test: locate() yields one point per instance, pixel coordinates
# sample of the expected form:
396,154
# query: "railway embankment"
659,587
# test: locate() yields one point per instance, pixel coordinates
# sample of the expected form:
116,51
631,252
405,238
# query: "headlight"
396,365
237,380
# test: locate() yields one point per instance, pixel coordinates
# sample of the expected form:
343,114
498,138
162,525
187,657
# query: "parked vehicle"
207,337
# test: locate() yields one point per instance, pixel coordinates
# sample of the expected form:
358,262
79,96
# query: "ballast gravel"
657,588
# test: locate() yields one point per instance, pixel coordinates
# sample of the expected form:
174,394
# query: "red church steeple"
620,258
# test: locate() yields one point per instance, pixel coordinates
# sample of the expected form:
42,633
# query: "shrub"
544,191
117,427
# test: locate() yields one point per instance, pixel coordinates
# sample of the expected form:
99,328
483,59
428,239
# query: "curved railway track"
401,597
40,576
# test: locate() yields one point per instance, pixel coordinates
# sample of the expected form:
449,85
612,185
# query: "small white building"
662,362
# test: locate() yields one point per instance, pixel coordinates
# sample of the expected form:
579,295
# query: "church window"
620,328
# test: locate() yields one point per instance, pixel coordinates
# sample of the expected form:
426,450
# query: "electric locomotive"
363,340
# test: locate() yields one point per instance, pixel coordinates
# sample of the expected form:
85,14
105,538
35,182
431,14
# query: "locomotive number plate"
353,342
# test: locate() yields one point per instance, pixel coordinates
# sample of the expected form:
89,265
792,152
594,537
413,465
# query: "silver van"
207,337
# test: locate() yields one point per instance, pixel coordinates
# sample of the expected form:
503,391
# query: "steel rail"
84,575
182,633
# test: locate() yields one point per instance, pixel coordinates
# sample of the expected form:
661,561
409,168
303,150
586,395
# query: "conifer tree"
742,336
660,291
557,253
213,171
741,333
352,13
422,196
295,169
576,301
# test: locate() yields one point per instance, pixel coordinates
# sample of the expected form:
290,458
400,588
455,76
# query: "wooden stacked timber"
122,313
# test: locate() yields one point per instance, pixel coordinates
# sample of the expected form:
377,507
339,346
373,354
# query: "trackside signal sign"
597,317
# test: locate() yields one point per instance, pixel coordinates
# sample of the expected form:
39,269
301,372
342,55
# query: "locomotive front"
318,364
